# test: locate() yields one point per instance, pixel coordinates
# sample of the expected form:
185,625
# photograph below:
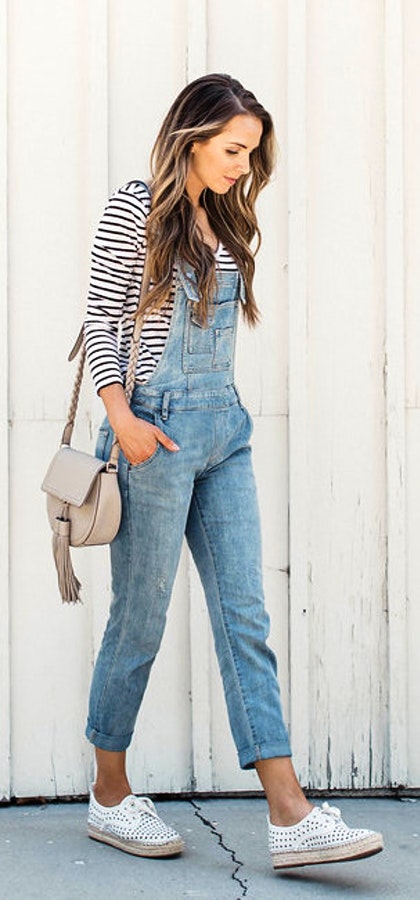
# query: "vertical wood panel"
4,427
411,118
347,496
52,189
196,39
411,123
147,68
411,671
298,421
395,394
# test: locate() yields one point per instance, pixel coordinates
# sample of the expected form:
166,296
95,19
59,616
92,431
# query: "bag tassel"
69,585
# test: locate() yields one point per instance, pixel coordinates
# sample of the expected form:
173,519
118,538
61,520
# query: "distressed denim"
205,491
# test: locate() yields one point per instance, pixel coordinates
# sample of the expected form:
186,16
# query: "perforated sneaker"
133,826
320,837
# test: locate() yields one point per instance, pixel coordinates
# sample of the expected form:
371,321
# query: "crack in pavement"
237,862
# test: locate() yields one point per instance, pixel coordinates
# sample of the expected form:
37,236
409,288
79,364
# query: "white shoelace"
143,804
331,811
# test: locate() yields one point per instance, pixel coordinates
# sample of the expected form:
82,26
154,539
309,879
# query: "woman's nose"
244,166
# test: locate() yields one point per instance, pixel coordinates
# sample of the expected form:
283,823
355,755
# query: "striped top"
118,257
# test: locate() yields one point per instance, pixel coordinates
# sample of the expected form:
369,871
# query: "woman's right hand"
137,438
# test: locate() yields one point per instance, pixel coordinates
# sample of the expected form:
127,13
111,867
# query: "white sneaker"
133,826
320,837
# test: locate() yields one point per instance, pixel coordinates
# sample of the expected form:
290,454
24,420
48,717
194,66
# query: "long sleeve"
116,271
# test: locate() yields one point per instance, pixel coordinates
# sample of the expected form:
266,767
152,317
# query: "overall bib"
205,491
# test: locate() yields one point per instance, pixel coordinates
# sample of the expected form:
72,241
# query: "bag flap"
71,474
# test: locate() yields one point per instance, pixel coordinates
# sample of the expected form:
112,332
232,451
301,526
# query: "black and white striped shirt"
118,256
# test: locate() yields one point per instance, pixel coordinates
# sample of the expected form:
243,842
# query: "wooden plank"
411,27
54,762
196,39
298,425
395,394
4,429
413,591
96,132
411,24
346,396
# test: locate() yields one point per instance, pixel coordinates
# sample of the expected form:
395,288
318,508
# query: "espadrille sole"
344,853
137,848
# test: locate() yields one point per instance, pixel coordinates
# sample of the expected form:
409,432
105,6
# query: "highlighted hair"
200,112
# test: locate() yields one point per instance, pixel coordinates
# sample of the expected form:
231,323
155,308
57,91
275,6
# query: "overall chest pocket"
211,348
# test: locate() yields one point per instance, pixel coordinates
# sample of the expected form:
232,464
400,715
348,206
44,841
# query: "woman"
185,465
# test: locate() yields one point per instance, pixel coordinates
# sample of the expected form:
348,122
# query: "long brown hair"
200,112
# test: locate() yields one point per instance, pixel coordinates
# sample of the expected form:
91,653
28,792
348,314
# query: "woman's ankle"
108,794
288,812
111,785
286,801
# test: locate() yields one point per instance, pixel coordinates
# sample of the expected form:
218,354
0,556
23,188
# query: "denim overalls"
206,491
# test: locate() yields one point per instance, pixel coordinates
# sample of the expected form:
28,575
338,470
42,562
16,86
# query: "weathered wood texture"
332,378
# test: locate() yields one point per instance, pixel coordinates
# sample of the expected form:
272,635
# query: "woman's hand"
137,438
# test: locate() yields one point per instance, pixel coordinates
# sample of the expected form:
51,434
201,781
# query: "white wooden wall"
332,378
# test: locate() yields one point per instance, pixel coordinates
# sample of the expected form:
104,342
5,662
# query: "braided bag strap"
74,402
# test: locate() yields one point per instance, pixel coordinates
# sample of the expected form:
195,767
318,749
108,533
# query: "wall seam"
298,399
5,704
395,396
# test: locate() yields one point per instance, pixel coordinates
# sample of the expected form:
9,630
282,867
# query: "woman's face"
218,162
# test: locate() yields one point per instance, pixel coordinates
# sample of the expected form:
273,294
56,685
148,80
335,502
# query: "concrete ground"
45,853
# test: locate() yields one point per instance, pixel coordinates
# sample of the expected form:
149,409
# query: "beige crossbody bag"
83,496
